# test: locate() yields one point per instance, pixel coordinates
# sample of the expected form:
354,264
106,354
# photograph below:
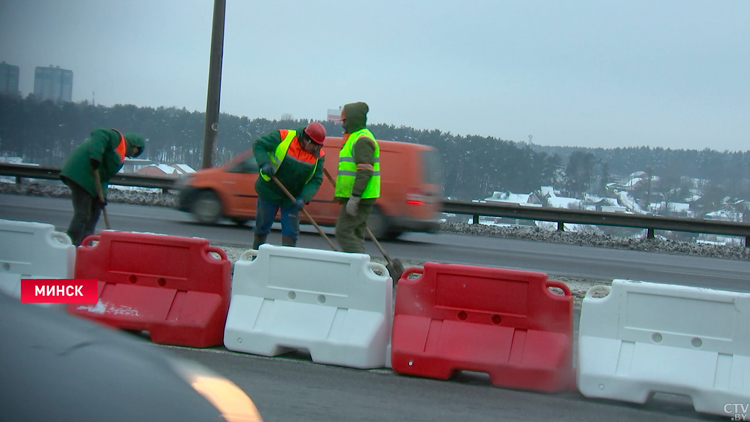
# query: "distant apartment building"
53,83
9,79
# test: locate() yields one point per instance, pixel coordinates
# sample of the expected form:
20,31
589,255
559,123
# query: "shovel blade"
395,269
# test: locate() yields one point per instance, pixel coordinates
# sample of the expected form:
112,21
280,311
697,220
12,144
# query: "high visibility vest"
122,147
348,168
278,156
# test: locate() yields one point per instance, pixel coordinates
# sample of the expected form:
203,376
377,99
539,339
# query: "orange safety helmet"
316,132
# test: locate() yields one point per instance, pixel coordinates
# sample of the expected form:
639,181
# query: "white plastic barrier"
330,303
32,250
644,338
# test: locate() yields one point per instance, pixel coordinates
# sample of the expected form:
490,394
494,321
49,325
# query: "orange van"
411,191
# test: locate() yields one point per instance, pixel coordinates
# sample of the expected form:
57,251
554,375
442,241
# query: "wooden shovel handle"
98,182
369,232
309,217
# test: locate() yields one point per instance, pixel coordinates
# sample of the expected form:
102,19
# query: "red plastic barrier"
505,323
167,285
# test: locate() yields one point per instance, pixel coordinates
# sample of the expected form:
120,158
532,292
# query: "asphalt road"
556,259
292,388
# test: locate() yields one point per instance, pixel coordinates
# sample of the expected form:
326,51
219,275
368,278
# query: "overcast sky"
608,73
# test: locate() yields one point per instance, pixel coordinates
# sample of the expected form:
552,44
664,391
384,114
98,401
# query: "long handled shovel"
98,182
309,217
395,267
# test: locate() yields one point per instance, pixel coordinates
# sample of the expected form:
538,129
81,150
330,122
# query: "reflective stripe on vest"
348,168
278,156
122,147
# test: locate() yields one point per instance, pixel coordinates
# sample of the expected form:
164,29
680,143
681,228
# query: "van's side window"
248,165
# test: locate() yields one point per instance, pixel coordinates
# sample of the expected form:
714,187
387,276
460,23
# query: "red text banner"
59,290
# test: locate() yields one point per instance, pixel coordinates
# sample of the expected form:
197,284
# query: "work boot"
258,240
288,241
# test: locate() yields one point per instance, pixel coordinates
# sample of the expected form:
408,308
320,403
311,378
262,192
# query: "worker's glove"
94,163
268,169
299,203
352,204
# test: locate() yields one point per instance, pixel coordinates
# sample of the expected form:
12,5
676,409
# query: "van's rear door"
429,194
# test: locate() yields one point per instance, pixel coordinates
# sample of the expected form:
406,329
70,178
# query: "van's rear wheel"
378,223
394,234
207,207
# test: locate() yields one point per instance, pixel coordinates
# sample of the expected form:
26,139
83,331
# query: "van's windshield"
248,165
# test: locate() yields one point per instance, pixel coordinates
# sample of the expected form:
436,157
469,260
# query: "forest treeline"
472,166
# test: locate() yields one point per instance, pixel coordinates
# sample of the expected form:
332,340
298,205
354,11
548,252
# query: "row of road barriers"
638,339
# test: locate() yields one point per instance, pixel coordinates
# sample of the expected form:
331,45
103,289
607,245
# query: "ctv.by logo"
739,411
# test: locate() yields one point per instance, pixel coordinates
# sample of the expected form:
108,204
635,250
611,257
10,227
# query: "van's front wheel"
207,207
378,223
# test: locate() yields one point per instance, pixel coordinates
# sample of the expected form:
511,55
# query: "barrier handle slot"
217,250
248,254
61,237
560,285
379,267
412,270
601,289
90,239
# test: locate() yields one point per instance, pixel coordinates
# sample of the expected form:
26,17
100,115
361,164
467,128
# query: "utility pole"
649,170
214,85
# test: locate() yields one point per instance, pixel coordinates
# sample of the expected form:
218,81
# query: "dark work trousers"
86,211
350,230
265,212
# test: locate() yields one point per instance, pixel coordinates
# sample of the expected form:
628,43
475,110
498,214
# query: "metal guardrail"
21,171
562,216
476,209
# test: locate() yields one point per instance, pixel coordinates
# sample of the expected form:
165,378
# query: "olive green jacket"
364,150
101,147
294,172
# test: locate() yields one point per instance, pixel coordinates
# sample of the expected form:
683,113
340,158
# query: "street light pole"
649,170
214,85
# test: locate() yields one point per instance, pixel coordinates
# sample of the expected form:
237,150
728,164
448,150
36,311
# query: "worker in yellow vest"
296,158
358,179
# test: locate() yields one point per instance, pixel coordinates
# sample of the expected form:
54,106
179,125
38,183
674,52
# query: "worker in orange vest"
296,158
103,153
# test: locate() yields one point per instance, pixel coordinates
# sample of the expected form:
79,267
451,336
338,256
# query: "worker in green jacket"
296,159
358,178
103,153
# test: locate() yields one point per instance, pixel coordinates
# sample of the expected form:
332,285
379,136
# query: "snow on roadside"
156,197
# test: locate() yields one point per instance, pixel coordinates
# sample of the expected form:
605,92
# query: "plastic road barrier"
173,287
505,323
33,250
332,304
642,338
